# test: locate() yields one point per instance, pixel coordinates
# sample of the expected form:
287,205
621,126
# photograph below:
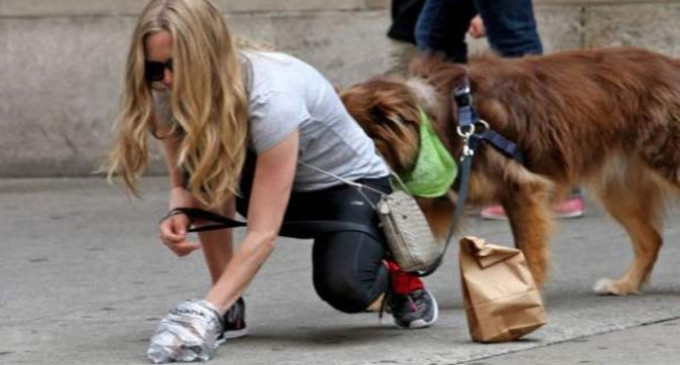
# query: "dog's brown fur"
608,119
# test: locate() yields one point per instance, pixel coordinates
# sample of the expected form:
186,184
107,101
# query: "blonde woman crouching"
258,133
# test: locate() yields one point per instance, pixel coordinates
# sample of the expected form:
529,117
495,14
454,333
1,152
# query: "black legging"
348,272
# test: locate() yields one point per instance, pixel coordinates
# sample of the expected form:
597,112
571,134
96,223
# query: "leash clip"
467,150
466,131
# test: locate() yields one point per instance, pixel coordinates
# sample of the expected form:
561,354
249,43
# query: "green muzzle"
435,169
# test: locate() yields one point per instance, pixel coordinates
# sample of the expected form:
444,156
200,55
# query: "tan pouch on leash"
408,234
500,296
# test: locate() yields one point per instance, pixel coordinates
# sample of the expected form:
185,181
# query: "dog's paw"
606,286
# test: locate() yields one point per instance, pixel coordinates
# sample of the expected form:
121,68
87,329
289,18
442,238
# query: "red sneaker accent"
402,283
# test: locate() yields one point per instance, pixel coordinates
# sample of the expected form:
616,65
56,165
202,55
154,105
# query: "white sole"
421,323
230,335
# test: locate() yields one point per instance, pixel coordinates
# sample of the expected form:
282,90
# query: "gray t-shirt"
287,94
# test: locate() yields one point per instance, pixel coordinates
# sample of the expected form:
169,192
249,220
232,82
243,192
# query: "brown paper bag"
500,296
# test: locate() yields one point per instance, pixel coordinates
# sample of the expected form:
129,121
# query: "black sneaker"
416,310
234,322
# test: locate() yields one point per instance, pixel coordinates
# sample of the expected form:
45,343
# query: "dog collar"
475,130
435,169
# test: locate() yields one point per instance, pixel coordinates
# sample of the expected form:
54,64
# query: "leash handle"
221,222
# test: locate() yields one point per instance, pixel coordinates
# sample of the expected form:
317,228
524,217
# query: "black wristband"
171,213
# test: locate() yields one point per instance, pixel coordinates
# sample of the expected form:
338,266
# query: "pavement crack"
574,339
70,143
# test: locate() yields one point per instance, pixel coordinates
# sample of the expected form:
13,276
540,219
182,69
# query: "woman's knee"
348,271
346,292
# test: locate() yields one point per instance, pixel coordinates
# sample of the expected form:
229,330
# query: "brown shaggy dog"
607,119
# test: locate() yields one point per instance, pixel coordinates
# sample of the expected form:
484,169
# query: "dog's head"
387,109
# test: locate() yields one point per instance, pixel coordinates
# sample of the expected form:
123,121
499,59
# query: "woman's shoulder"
278,63
276,72
269,58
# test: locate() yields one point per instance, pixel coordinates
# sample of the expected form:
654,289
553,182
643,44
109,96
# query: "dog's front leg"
528,211
438,212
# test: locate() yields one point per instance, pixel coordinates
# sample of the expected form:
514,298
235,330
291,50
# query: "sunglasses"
155,71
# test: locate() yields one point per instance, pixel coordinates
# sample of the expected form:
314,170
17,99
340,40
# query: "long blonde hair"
208,102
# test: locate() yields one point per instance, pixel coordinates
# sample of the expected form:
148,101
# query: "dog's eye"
377,115
395,119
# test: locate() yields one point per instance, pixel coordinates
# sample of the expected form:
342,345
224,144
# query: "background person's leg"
400,56
571,207
510,26
442,26
402,34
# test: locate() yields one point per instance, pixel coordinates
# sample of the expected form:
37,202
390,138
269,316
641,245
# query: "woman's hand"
173,232
476,29
173,229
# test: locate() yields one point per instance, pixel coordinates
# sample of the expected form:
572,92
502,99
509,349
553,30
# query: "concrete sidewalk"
84,280
647,344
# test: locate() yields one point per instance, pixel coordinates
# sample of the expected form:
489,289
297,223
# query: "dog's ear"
383,101
387,111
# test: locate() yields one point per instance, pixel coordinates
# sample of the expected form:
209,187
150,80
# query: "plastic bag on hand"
187,333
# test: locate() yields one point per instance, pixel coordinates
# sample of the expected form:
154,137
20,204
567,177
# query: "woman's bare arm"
216,245
173,230
272,185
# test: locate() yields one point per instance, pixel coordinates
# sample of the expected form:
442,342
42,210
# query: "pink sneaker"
571,207
493,213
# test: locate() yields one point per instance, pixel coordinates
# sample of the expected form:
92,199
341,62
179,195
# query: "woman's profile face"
158,49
